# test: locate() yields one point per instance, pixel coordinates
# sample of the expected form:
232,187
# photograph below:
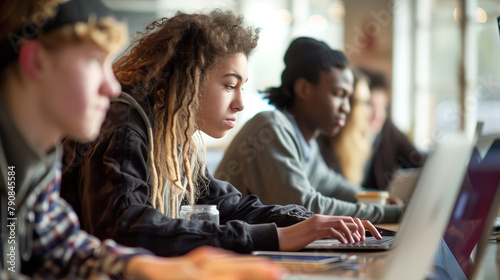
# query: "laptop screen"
469,217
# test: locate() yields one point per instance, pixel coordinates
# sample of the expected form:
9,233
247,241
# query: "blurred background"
441,57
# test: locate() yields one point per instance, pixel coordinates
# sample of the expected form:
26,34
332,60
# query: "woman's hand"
204,263
345,229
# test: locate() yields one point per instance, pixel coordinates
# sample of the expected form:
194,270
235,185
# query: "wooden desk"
372,265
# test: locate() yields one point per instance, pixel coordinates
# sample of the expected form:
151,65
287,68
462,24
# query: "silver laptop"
465,239
403,183
431,204
425,218
462,246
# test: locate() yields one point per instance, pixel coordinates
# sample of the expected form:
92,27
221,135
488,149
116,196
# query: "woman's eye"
229,87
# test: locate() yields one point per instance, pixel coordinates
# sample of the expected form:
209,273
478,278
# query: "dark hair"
377,79
305,58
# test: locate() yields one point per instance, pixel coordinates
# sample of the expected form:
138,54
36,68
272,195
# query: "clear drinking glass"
200,213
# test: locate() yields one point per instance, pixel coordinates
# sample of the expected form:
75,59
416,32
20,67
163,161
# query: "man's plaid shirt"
54,231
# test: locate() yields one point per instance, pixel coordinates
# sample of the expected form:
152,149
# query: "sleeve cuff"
392,214
264,237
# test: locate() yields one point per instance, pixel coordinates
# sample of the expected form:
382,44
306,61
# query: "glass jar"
200,213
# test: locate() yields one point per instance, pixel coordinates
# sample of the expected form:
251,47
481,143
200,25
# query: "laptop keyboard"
369,242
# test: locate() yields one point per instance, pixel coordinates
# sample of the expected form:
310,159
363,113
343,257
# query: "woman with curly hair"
182,75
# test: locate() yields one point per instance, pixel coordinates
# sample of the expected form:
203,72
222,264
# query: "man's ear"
302,88
31,58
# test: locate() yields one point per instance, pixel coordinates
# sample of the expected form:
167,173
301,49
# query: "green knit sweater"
266,159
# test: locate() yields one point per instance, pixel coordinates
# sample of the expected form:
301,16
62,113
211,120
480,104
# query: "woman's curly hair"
169,64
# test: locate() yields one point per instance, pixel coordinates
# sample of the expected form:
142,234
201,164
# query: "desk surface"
372,264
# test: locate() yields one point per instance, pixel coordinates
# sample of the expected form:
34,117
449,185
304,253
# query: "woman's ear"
301,88
32,56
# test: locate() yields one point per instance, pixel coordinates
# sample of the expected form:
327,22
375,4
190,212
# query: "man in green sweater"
275,155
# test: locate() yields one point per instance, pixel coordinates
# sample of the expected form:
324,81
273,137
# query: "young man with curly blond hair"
57,81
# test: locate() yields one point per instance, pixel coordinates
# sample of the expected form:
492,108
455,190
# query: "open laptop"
428,212
403,183
426,216
469,228
463,244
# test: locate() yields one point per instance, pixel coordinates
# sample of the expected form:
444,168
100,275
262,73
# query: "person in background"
56,81
349,150
275,155
391,149
370,148
183,75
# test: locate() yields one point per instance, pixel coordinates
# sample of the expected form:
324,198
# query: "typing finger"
361,229
371,228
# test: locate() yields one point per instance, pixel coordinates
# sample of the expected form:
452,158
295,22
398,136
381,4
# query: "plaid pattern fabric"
66,250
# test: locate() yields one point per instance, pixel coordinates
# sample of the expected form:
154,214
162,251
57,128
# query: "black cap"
77,11
308,54
66,13
305,50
